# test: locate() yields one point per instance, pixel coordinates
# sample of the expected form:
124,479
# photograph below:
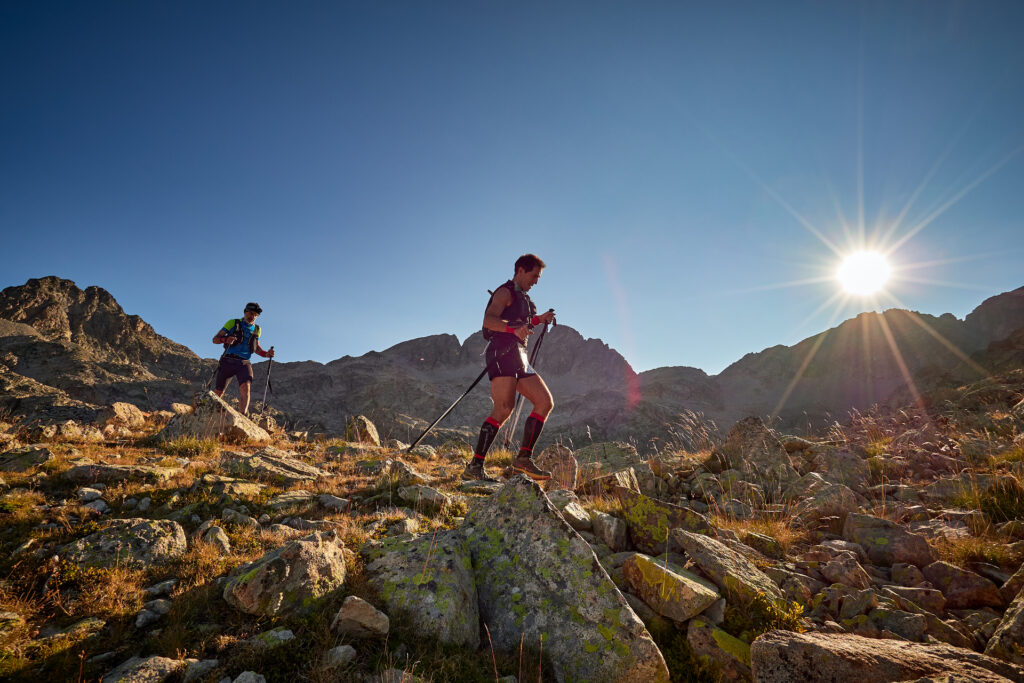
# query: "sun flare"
863,273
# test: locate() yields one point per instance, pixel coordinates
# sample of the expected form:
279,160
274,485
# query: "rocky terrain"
66,353
194,545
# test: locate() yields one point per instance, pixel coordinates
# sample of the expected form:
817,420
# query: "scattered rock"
962,588
733,573
338,657
273,638
562,464
669,590
24,459
730,654
887,542
610,530
360,429
424,498
290,579
757,453
359,619
649,520
149,670
1008,640
136,543
121,414
213,418
271,464
786,657
117,473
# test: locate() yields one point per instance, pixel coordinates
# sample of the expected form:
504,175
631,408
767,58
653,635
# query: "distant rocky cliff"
64,346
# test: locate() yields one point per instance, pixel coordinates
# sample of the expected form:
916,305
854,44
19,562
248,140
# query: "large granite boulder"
786,657
601,459
962,588
649,520
1008,640
757,453
886,542
840,466
213,418
360,429
669,590
426,583
736,575
292,579
271,464
23,459
91,473
536,576
121,414
134,543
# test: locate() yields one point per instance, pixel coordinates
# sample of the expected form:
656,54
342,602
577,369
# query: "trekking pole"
452,406
270,365
445,413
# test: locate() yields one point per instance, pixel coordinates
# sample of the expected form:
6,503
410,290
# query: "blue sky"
367,170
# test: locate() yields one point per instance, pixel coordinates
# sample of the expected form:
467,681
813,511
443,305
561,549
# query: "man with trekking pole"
241,339
508,322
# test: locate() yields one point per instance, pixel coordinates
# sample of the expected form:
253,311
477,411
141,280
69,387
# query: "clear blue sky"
367,170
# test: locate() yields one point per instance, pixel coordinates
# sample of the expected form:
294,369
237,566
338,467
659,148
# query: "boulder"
844,569
963,589
728,654
424,498
787,657
359,619
361,430
134,543
292,579
733,573
213,418
840,466
90,473
887,542
608,483
757,453
23,459
148,670
1007,642
605,458
122,415
539,581
426,583
560,461
271,464
610,530
649,520
668,589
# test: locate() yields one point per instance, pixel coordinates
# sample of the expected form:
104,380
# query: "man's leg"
503,392
536,391
243,397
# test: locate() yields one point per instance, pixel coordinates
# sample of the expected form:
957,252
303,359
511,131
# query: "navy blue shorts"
507,360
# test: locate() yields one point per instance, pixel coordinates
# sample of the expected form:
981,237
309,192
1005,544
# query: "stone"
359,619
218,538
88,474
1013,586
840,466
162,588
290,499
560,461
649,520
845,569
609,483
249,677
962,588
904,624
605,458
537,578
360,429
907,575
733,573
197,670
333,502
121,414
292,579
427,583
338,657
730,655
213,418
787,657
87,495
234,517
886,542
766,545
1007,642
755,451
669,590
133,543
24,459
577,517
149,670
927,598
424,498
610,530
273,638
271,464
236,488
858,603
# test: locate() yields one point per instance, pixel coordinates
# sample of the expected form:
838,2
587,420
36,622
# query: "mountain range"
65,352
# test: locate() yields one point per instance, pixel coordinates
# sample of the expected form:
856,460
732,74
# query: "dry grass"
985,547
785,529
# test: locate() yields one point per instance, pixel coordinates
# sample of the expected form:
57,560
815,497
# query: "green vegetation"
748,620
189,447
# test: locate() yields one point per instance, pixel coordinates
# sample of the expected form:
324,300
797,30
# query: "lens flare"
863,273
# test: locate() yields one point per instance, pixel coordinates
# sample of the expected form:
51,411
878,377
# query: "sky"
692,173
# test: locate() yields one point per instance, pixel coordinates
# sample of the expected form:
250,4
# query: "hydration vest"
517,313
239,327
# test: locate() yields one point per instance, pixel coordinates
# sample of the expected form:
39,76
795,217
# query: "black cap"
253,306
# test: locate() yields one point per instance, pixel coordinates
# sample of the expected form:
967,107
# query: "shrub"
189,446
747,620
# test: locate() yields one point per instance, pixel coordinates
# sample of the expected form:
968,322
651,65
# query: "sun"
863,273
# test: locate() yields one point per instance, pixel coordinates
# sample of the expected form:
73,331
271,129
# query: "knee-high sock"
531,432
488,431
